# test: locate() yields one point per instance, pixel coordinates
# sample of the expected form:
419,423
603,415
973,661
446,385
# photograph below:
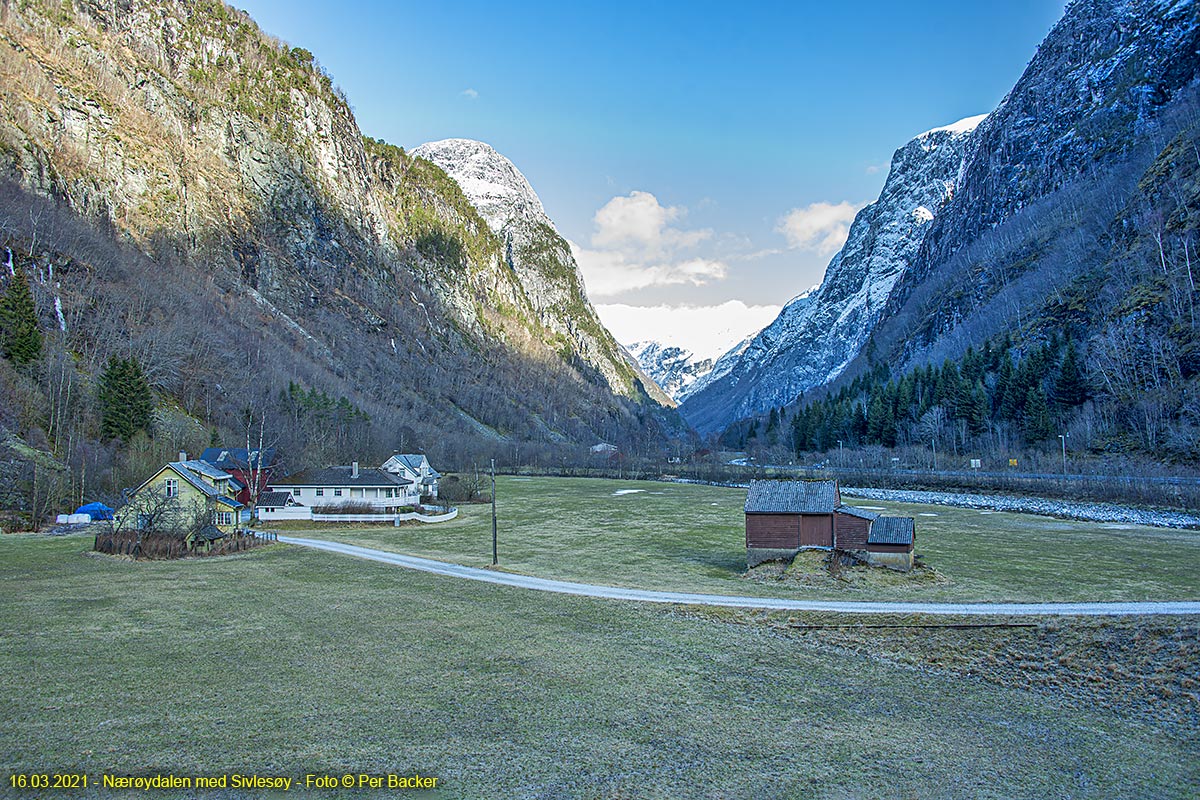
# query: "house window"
296,492
172,487
320,492
337,492
222,518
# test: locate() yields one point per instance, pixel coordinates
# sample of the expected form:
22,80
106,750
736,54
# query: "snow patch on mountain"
672,368
493,184
965,125
818,334
535,250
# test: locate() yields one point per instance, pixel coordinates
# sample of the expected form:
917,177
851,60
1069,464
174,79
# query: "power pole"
495,561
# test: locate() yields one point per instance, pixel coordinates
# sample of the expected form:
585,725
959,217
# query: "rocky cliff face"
1056,160
1015,217
674,369
817,334
189,131
533,248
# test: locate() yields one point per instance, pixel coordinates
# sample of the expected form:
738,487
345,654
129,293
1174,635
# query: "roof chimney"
354,470
183,455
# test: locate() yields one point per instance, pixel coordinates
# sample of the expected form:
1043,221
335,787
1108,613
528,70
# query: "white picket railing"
306,513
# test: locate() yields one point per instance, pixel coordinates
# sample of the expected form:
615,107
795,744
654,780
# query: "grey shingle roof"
206,469
891,530
861,513
413,462
211,533
341,476
181,469
239,457
274,499
791,497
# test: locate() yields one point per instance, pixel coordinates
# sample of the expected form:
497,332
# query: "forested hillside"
1111,359
1072,231
188,194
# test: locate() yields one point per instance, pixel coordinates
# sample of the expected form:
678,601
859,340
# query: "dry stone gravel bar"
1092,512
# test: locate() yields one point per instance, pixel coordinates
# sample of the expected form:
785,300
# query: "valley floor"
690,538
285,661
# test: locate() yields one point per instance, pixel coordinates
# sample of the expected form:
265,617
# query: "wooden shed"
785,517
891,542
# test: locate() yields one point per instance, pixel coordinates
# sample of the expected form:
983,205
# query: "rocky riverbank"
1095,512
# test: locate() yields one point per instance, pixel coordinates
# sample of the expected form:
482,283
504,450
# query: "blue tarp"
96,510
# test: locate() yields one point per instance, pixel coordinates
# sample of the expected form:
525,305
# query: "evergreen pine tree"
1009,396
858,423
1038,425
126,404
875,420
20,339
1071,388
977,414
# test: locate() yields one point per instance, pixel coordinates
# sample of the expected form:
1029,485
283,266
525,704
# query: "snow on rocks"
816,335
1068,509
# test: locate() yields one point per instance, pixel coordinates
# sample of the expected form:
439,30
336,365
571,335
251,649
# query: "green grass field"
286,661
691,538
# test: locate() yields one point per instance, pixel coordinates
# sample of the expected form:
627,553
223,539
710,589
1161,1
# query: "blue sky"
700,124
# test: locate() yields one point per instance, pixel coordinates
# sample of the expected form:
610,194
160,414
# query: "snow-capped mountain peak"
490,181
818,333
674,369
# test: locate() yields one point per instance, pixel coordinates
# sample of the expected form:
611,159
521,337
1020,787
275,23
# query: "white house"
416,468
334,486
274,506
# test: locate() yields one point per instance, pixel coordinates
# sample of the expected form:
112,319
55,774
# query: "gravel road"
643,596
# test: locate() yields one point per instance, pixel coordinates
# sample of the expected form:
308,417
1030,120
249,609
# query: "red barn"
785,517
248,467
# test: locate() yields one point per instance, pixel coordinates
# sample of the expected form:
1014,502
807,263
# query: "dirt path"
645,596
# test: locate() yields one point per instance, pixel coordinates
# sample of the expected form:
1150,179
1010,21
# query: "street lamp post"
841,460
1063,438
495,560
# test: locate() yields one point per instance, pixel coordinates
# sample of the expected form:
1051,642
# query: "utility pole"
841,460
1063,438
494,558
934,440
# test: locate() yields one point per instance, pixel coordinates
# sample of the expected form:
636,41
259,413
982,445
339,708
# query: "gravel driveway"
644,596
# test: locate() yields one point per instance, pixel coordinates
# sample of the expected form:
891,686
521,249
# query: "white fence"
290,512
419,517
305,513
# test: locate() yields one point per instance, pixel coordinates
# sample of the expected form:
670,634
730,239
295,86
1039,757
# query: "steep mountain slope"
184,129
674,369
532,246
1048,172
1055,294
817,334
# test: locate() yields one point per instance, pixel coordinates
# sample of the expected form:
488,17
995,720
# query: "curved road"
644,596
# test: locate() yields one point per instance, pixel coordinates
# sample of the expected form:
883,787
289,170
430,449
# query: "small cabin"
785,517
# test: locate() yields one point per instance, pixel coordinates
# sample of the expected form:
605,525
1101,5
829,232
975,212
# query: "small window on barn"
320,492
296,492
337,492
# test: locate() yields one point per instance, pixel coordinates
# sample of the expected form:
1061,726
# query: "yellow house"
191,496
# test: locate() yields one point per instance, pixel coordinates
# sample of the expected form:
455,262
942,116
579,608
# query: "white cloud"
470,94
640,223
875,168
607,273
637,244
820,227
707,331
